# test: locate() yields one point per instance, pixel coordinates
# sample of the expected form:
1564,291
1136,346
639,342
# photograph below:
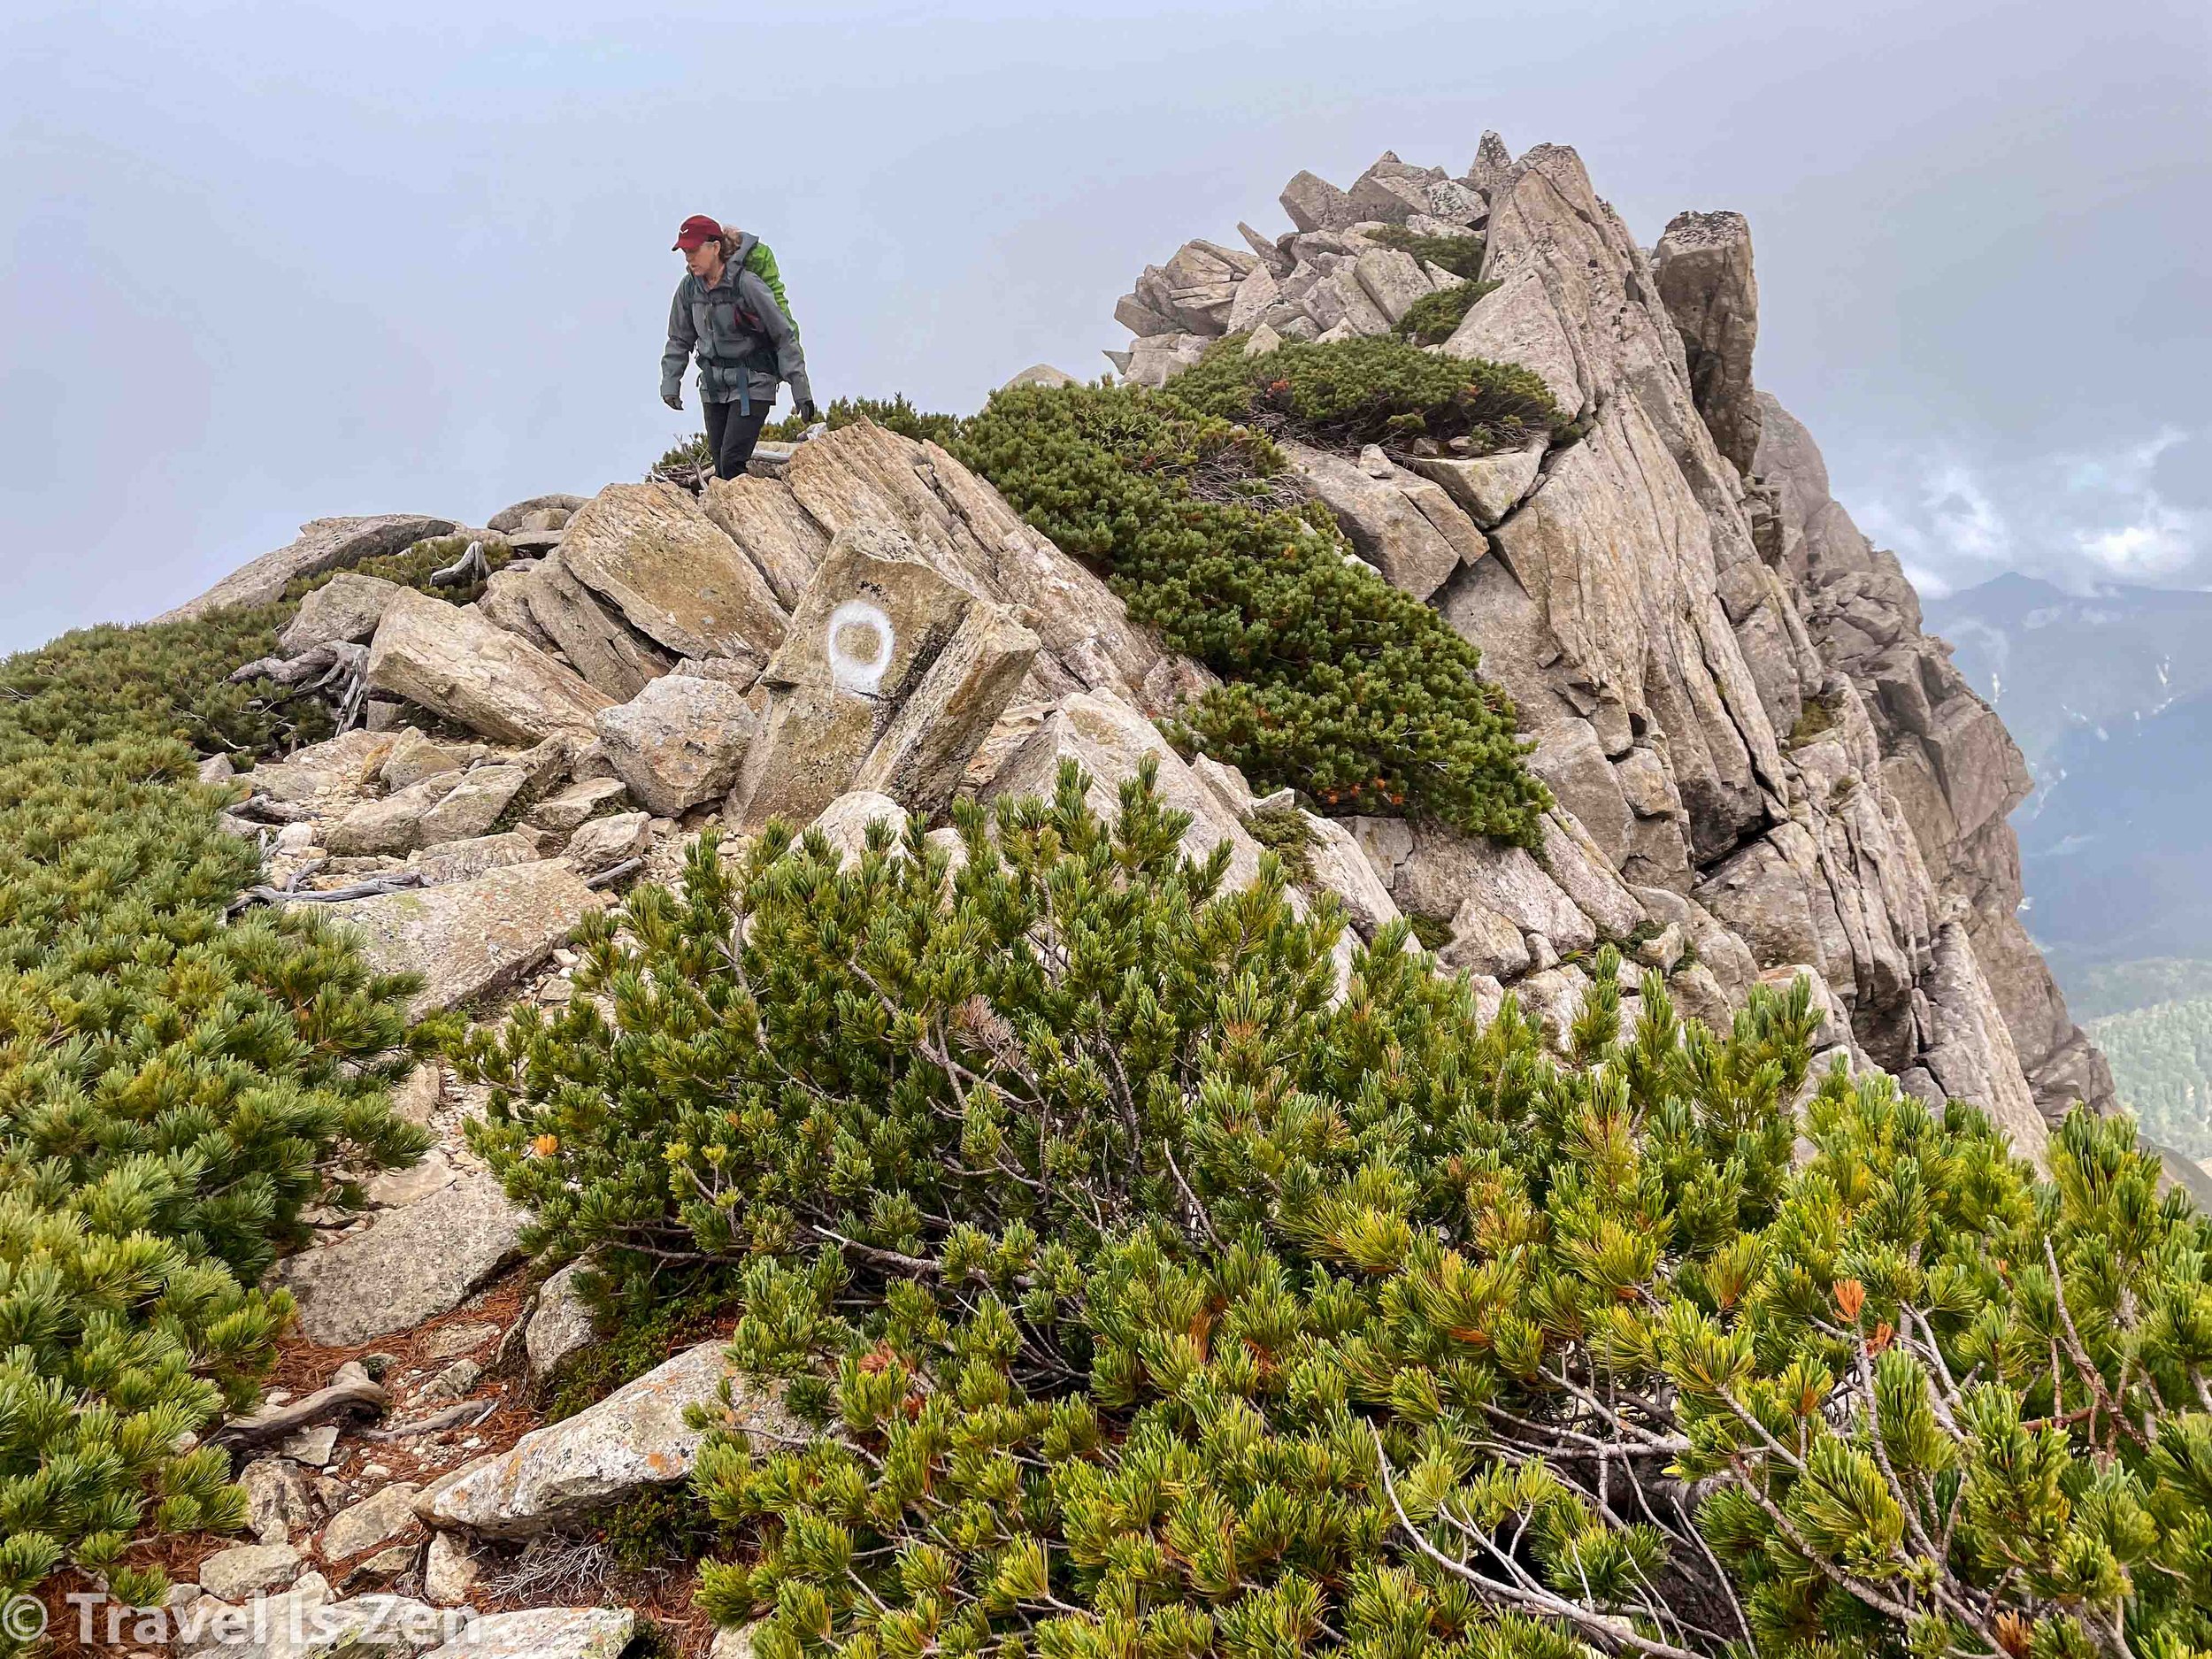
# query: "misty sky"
266,262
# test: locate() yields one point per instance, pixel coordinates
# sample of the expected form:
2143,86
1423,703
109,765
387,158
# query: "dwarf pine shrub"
175,1088
158,678
1434,317
1462,256
894,414
1154,1300
1338,684
412,566
1381,390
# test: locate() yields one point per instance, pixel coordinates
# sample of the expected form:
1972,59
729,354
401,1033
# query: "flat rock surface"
380,1515
457,661
676,576
471,937
411,1265
347,607
633,1439
543,1633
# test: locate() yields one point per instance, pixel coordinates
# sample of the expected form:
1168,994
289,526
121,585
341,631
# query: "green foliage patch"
1163,1301
1462,256
412,567
1434,317
2120,988
175,1088
1379,390
1358,695
158,678
894,414
2162,1064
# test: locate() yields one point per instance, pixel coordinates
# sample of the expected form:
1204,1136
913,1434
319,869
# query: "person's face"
704,260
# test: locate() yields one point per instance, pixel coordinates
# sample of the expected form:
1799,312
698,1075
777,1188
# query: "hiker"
727,314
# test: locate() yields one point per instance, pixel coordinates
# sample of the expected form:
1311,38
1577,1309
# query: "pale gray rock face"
448,1572
244,1570
510,518
774,532
457,663
345,763
1493,161
347,608
893,674
378,1518
922,756
1393,279
1109,739
1045,375
611,657
505,602
1314,203
543,1633
473,805
397,1187
1256,296
391,826
845,821
281,1501
561,1325
471,937
1703,266
863,474
414,757
459,860
408,1265
1340,867
1404,525
1945,756
1968,1050
1484,941
633,1439
603,842
1486,486
324,544
676,576
566,810
678,742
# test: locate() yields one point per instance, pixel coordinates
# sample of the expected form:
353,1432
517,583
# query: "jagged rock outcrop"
1703,266
1728,689
1944,754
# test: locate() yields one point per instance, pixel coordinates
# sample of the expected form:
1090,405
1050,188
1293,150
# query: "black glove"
674,400
808,412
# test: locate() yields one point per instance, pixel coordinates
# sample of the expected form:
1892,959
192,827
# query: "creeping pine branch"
1522,1591
2078,1353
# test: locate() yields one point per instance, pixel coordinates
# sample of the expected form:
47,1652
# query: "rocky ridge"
1763,768
1729,687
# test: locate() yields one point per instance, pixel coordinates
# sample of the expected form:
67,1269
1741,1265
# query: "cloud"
2078,519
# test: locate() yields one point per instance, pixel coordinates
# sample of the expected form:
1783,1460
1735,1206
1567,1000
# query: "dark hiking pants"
731,437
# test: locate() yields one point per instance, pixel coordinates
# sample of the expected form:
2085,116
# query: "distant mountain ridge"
2109,695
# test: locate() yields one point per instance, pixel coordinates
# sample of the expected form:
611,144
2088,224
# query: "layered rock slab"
468,938
408,1265
458,662
633,1439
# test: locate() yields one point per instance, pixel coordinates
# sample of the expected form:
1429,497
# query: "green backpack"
761,263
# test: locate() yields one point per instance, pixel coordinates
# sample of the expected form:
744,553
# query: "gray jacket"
736,363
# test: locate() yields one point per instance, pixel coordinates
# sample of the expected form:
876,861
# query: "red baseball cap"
697,228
